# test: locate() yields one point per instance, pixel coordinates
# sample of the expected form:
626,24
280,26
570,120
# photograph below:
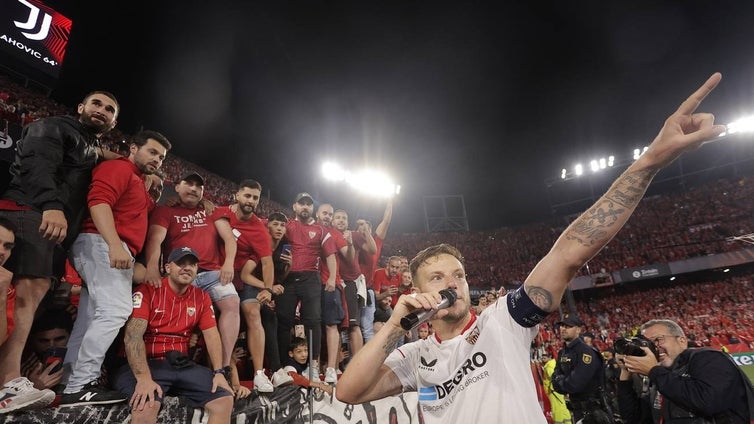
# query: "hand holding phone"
54,354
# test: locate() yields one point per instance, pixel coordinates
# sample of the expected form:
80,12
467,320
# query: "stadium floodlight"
333,172
563,173
610,160
578,169
672,278
594,165
603,163
637,153
743,125
373,183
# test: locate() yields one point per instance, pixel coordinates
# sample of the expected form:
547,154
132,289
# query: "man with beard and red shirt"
387,281
350,272
255,246
156,345
103,255
368,263
189,224
333,299
46,201
308,242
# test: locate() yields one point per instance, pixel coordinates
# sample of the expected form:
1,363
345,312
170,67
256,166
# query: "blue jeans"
367,316
104,308
209,281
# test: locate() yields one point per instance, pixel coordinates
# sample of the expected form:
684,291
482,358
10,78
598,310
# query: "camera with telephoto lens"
633,346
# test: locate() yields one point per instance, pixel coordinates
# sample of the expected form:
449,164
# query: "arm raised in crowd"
684,130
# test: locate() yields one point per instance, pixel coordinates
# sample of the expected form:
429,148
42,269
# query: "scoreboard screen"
34,33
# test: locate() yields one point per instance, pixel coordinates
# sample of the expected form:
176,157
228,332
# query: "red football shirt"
307,242
340,242
192,228
118,183
252,238
170,317
350,270
368,263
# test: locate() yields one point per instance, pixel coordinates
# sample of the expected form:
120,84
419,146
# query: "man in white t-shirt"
477,369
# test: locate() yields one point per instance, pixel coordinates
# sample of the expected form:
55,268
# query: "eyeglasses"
660,340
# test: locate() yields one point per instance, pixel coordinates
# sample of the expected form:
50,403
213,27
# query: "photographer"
579,374
686,385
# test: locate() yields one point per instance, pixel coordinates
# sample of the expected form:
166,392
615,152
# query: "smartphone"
54,354
287,249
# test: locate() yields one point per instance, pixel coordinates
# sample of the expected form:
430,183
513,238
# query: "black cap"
193,176
571,321
590,335
304,195
181,252
277,216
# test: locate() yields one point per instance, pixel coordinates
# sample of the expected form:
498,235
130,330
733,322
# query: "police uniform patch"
586,358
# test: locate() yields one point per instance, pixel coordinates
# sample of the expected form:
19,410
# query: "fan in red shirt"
368,263
156,340
103,255
308,242
254,245
388,280
190,224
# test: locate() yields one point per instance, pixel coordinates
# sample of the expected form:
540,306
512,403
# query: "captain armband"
523,310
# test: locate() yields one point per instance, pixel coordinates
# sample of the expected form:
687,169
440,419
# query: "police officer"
579,374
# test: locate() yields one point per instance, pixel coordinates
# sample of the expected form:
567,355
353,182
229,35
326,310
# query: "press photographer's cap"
181,252
304,195
571,321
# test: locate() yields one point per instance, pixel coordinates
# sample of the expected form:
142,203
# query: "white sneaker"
314,374
331,376
20,394
262,383
281,378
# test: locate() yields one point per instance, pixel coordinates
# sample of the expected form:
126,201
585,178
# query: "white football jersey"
481,376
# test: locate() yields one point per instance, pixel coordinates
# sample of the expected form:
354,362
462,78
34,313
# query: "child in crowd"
297,366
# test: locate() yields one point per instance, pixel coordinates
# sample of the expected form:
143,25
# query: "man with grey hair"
686,385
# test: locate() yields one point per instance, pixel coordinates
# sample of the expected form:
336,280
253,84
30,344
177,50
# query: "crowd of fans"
711,313
664,228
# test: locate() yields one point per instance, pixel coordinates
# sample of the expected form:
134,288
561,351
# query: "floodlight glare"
741,125
603,163
594,165
578,169
372,183
563,173
610,160
637,153
333,172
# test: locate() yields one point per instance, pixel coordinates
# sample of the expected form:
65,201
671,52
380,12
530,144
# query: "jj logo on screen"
33,22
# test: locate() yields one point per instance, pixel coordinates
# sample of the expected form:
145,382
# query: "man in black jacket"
46,200
686,385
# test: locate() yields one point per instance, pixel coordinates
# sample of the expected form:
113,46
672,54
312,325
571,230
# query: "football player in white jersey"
477,369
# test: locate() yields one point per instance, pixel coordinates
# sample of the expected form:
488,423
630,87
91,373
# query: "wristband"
219,371
267,290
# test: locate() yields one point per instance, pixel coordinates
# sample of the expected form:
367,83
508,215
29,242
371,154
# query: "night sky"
482,100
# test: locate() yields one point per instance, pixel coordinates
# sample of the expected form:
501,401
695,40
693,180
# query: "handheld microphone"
415,319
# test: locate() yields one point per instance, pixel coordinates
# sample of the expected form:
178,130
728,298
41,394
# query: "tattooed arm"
137,359
367,377
684,130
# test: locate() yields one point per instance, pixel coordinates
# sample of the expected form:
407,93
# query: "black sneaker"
92,394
